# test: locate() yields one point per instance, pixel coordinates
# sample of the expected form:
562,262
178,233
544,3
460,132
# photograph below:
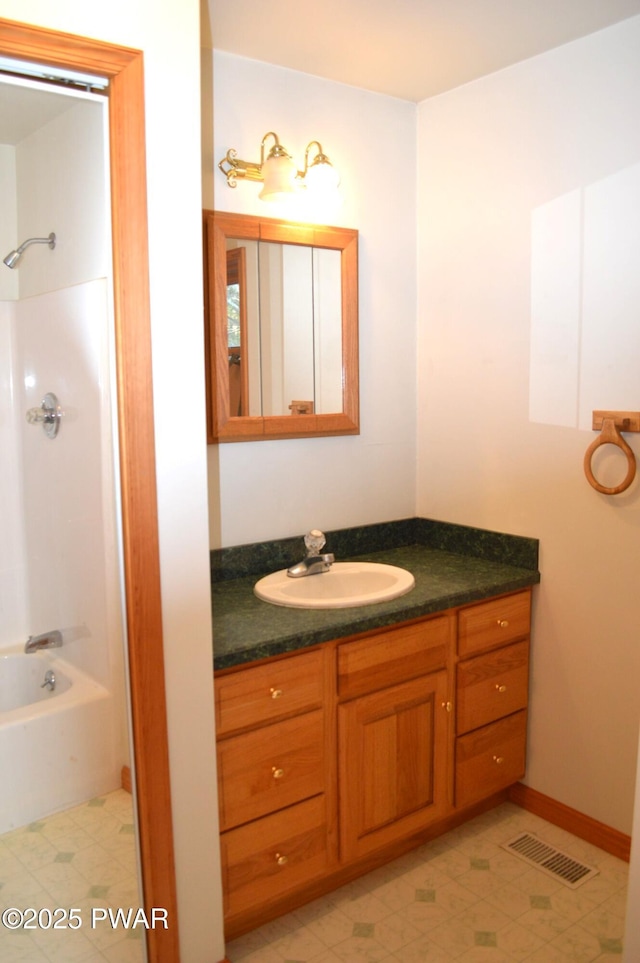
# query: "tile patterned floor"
83,858
461,898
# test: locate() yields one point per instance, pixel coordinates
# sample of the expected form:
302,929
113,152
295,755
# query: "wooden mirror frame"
220,425
124,68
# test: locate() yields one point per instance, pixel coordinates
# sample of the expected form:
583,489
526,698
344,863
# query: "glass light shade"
278,174
322,177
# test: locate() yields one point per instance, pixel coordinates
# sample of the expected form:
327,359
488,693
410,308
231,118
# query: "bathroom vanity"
339,754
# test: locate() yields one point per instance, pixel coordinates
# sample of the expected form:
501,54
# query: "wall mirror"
281,328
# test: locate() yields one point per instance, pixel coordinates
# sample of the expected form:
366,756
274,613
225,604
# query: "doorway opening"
123,68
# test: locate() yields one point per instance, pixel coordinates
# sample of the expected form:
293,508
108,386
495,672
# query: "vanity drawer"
267,858
272,767
490,759
389,658
492,686
494,623
268,692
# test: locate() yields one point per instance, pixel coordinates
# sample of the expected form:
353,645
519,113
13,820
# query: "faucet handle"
314,542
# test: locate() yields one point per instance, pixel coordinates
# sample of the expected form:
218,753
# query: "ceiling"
412,49
24,109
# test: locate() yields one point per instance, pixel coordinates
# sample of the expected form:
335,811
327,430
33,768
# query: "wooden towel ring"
610,435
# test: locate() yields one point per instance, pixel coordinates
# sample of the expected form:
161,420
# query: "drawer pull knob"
503,623
500,688
448,706
277,773
498,760
275,693
281,860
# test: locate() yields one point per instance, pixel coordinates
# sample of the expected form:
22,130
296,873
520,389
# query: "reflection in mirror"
282,328
291,294
237,330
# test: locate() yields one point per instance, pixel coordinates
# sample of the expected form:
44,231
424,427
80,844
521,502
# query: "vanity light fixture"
278,171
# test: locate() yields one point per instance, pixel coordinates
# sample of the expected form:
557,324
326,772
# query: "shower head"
13,257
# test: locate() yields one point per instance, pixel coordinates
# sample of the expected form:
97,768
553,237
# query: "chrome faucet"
48,640
314,563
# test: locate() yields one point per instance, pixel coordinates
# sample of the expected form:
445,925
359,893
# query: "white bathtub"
57,748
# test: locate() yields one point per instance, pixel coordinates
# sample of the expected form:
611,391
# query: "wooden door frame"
124,68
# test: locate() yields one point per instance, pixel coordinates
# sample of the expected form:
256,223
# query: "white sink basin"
346,584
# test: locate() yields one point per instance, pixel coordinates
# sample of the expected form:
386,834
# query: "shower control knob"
37,416
48,415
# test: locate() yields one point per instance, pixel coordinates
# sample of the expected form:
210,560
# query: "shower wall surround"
60,567
70,567
12,558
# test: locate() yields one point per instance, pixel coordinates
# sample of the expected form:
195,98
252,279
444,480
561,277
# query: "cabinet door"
393,749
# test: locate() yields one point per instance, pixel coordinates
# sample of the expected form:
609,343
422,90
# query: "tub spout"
48,640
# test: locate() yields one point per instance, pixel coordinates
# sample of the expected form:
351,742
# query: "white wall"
9,220
263,490
61,183
491,155
168,34
632,931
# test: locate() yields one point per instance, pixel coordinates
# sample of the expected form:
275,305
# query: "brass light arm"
249,170
320,158
239,168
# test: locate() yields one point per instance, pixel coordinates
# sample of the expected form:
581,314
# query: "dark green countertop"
246,629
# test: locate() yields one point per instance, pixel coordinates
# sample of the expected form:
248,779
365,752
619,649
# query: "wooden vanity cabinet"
332,759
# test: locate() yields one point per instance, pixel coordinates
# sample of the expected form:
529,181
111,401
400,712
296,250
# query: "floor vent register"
550,860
